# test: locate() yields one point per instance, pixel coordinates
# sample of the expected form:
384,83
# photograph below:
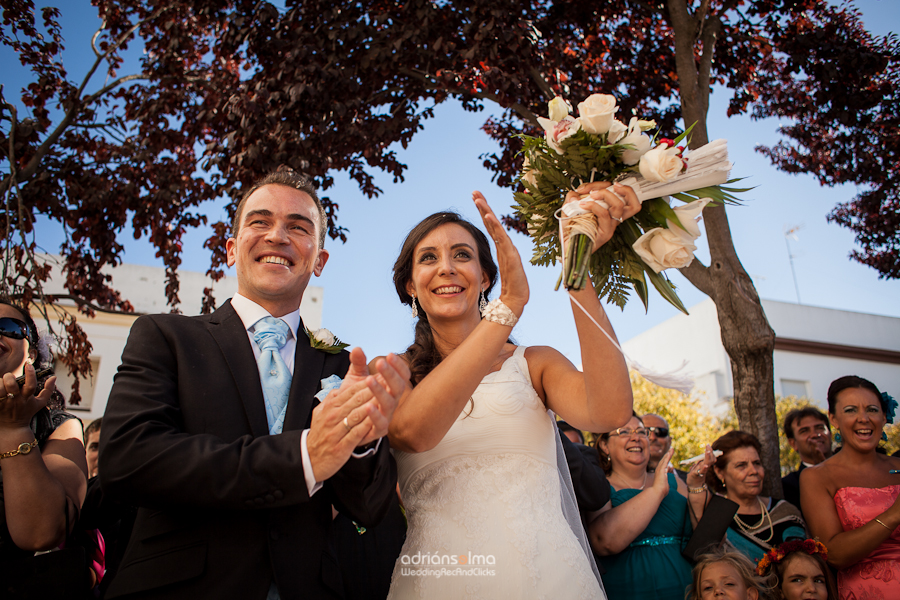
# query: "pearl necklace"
765,516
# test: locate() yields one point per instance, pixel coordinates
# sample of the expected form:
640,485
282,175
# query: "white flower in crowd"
324,336
556,131
639,141
662,163
559,108
689,214
616,131
666,248
673,247
596,113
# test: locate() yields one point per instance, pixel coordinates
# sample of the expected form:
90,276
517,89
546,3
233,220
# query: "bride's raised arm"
469,345
600,398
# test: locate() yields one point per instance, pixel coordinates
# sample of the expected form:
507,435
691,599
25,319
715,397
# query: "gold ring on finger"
347,424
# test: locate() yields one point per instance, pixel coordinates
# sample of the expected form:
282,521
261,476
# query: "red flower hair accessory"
777,554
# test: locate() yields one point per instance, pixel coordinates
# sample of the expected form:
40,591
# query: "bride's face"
446,276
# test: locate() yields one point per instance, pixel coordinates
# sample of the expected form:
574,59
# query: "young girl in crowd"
728,575
798,571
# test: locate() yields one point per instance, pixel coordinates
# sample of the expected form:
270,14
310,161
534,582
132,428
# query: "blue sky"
361,307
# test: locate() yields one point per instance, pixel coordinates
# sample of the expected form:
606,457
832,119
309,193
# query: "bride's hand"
611,204
513,283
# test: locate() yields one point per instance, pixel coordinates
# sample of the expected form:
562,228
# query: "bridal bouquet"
597,147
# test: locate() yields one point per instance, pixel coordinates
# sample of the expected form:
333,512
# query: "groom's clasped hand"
355,414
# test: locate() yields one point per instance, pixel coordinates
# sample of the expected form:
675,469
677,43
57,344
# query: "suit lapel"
228,330
308,366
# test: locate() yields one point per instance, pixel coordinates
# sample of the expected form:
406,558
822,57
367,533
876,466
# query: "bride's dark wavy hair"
422,354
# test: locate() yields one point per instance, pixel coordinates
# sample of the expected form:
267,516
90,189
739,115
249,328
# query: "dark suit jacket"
790,484
589,482
223,506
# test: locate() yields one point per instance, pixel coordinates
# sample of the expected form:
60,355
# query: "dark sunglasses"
13,328
659,432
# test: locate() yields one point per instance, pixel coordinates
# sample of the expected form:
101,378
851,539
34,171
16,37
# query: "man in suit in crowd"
214,431
809,434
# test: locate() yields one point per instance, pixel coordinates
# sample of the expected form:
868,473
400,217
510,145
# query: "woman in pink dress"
852,500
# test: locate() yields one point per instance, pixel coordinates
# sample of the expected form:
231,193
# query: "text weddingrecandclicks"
465,564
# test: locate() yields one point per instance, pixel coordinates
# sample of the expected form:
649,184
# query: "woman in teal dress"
639,534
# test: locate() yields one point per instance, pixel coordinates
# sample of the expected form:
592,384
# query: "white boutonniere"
324,340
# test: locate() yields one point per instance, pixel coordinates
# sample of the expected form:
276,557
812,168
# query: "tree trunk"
746,335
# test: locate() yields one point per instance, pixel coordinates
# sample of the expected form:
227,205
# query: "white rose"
665,248
616,131
556,131
324,336
559,108
640,143
596,113
661,164
689,214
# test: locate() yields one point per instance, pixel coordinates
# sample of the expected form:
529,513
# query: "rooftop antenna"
788,234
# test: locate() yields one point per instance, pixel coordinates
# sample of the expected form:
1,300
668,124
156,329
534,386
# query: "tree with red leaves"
228,90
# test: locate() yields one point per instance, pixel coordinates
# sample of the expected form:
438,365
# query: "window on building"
795,387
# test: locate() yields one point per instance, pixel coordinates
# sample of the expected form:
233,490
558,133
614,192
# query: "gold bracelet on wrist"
883,525
697,490
24,448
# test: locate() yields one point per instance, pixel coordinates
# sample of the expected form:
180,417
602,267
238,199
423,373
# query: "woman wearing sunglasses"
43,474
640,533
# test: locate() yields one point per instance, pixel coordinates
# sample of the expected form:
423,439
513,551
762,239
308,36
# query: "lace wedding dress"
483,506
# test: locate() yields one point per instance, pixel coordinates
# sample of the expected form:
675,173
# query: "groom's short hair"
287,177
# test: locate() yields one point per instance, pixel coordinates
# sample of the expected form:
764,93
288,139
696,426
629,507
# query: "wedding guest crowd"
238,460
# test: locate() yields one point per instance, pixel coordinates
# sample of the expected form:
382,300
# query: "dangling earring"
883,435
482,303
415,311
837,438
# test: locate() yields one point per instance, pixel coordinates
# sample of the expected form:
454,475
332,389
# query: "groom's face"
276,248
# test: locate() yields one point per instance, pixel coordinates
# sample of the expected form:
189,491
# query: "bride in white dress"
476,447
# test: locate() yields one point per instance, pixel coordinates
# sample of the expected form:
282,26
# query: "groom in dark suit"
809,433
213,427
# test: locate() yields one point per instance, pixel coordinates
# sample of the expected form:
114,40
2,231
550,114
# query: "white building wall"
145,288
696,338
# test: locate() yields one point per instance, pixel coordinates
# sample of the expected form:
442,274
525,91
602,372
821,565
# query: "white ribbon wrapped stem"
707,166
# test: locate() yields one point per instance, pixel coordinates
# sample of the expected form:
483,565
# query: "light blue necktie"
271,335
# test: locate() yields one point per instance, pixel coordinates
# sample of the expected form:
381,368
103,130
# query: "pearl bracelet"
499,313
